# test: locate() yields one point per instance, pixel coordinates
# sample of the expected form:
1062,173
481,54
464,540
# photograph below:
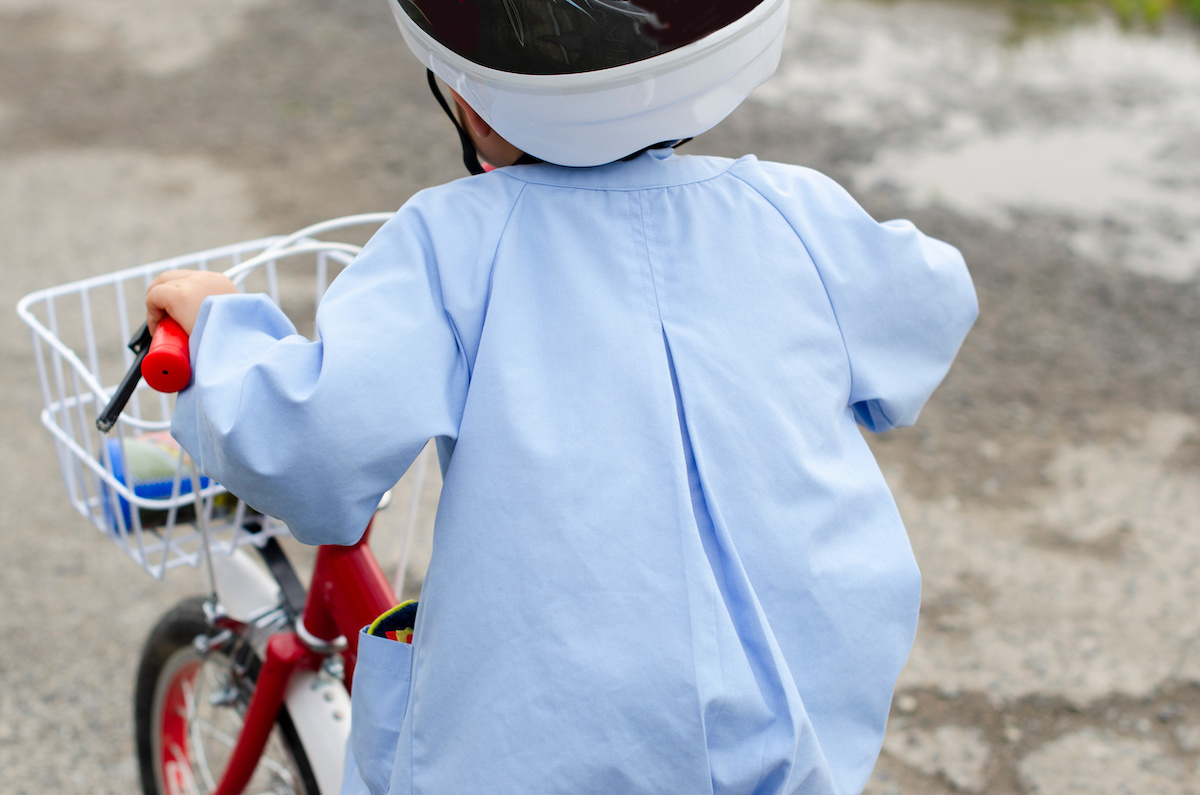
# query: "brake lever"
140,345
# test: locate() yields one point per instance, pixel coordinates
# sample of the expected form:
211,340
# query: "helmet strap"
469,156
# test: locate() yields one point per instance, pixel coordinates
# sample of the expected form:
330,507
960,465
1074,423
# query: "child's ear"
473,120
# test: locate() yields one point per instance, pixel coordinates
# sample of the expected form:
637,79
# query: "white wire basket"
134,484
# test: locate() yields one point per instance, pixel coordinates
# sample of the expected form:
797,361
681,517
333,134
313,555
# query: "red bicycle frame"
347,592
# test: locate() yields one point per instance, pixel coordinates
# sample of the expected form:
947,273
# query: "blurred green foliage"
1034,16
1153,11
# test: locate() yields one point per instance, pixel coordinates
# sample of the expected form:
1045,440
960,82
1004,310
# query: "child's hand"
180,294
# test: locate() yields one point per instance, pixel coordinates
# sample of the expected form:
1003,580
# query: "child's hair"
587,82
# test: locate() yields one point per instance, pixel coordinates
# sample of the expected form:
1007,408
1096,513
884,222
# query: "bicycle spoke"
227,740
182,773
199,754
279,770
203,730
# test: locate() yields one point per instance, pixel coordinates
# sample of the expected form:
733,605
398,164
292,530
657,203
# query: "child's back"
665,560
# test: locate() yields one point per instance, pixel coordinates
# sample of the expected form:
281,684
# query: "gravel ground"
1050,489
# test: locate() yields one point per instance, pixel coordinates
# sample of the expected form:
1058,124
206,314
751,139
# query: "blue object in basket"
150,472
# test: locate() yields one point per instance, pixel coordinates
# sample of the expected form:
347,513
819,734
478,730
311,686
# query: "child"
665,559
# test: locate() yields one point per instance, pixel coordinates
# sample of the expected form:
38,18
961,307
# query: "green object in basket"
147,464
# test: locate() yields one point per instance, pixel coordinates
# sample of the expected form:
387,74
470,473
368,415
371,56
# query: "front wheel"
188,709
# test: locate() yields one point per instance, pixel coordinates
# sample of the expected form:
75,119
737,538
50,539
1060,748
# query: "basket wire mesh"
134,484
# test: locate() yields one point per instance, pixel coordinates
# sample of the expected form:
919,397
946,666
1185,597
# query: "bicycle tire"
181,745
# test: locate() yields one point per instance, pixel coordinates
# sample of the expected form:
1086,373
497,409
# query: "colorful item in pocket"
397,623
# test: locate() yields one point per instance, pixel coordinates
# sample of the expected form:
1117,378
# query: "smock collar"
656,168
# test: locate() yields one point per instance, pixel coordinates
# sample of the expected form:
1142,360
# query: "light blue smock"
665,560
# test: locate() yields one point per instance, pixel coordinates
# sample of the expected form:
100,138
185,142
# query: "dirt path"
1051,488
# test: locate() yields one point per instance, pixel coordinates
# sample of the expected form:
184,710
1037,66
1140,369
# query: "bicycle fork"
285,655
348,591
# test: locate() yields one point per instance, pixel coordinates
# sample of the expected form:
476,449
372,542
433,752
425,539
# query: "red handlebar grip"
167,366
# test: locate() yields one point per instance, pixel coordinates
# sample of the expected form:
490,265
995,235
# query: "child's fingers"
166,277
158,304
180,294
169,276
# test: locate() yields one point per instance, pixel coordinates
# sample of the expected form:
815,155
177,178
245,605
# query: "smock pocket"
382,676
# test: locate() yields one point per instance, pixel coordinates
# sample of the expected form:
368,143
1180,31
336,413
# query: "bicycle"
245,689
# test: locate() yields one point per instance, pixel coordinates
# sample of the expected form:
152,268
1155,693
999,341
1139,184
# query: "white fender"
320,709
317,702
245,588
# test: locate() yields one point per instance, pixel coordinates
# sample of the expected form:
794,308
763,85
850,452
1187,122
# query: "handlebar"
161,359
167,367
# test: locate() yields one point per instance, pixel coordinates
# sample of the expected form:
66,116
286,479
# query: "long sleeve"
903,301
314,432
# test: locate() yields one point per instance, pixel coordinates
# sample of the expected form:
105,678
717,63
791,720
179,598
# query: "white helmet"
587,82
